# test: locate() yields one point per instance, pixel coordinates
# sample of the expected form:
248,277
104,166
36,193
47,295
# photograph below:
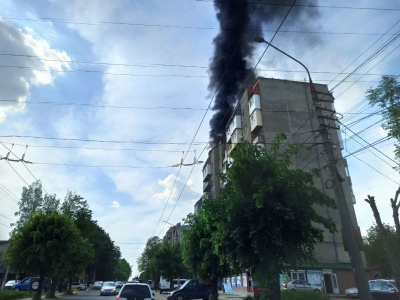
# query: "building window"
298,275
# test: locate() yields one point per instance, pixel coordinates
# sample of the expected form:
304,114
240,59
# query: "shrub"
10,295
289,295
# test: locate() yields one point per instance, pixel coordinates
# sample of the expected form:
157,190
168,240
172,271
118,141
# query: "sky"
113,100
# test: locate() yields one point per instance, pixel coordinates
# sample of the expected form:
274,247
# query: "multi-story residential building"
275,106
174,233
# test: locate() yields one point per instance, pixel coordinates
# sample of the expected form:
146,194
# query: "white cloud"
25,60
115,204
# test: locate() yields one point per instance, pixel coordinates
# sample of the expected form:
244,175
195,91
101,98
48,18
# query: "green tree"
147,264
32,201
270,218
387,96
373,249
44,245
169,262
123,270
198,248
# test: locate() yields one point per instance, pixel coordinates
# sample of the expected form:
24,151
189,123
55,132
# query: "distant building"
275,106
174,233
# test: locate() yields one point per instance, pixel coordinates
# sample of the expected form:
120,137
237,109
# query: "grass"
10,295
288,295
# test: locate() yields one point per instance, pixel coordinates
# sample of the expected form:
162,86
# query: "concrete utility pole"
348,232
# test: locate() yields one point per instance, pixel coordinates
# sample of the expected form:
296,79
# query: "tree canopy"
45,245
387,96
270,222
198,248
374,254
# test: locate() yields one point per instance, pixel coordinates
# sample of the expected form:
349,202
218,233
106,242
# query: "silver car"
380,289
301,286
108,288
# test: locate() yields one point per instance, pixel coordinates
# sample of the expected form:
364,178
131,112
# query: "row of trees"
61,240
386,96
161,258
263,220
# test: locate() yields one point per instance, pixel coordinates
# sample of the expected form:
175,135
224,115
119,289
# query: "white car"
135,290
97,285
10,283
301,286
78,286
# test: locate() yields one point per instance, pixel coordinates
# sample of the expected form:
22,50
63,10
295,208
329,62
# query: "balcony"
254,103
256,120
234,125
236,137
206,172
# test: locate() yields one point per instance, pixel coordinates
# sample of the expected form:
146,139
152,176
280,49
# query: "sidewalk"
237,293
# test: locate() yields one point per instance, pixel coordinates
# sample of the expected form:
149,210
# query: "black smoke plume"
230,73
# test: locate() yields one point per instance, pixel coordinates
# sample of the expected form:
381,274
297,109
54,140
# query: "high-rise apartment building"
274,106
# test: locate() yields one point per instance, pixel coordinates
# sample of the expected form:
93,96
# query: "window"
135,291
300,275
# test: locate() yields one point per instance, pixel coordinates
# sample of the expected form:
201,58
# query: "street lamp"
169,223
348,233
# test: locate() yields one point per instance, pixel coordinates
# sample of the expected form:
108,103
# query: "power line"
98,141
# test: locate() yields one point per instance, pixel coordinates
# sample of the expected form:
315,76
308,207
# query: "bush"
10,295
289,295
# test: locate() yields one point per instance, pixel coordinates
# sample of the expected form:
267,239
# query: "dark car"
192,289
380,289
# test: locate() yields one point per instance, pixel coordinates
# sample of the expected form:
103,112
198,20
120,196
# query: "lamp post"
348,233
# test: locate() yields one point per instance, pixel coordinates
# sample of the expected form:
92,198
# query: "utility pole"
348,232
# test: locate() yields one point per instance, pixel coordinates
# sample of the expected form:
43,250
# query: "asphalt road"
95,295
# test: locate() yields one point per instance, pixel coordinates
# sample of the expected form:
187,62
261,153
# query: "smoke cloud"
229,69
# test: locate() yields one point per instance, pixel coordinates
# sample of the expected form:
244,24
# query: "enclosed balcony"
256,120
254,103
234,125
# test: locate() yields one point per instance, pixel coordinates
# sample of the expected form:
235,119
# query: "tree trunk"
385,241
274,287
395,207
38,294
54,284
214,284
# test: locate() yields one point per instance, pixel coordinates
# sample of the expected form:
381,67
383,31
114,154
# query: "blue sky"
112,93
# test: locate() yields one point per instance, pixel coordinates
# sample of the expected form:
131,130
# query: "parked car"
192,289
108,288
118,284
300,286
164,285
97,285
78,286
380,289
135,290
10,284
30,284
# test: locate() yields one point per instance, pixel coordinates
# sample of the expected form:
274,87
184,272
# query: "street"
95,295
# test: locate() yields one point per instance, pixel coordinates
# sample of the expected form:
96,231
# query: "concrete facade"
274,106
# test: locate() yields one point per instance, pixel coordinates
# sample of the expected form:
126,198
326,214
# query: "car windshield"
135,291
108,284
185,284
